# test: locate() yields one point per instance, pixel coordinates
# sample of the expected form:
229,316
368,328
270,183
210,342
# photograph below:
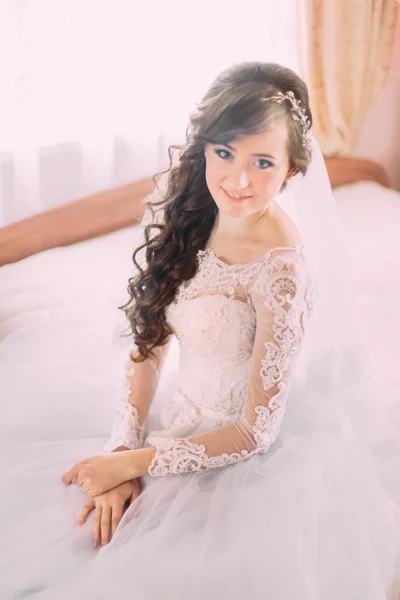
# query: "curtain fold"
346,54
92,93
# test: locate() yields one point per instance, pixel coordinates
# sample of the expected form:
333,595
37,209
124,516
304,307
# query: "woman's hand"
109,508
98,474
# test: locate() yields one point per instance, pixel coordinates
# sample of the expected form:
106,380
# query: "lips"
232,198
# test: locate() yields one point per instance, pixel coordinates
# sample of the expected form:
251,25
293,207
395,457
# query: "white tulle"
316,517
249,327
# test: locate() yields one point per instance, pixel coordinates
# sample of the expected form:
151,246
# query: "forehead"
271,141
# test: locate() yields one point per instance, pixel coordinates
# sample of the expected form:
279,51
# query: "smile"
234,197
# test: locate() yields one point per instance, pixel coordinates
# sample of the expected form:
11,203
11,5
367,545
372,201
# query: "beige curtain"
346,53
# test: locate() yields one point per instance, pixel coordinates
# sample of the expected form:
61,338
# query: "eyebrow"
259,155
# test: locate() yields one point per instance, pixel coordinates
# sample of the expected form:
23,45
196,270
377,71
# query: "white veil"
333,371
318,516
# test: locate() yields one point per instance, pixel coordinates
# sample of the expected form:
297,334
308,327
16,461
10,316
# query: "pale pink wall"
380,136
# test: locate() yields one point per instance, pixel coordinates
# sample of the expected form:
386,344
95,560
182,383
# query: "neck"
228,226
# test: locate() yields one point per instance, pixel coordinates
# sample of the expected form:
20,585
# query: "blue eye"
218,153
266,163
226,155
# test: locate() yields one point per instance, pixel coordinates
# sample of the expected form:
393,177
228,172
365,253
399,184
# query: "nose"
238,180
243,180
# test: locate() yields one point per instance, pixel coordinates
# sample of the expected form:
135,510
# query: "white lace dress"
256,490
240,328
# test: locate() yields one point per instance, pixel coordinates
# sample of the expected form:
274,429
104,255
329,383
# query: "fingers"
105,524
133,511
135,494
97,526
117,512
87,509
70,475
108,511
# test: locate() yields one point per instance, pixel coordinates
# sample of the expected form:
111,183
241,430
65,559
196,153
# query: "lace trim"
213,273
177,456
281,299
127,429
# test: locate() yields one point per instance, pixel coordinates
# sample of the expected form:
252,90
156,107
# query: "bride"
265,466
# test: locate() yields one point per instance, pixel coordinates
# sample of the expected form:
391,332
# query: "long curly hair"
230,109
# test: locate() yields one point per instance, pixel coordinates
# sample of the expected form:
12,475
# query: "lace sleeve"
279,295
140,379
138,390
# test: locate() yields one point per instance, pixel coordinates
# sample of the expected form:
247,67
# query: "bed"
61,360
58,312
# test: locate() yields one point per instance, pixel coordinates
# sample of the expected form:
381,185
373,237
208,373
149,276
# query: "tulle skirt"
315,518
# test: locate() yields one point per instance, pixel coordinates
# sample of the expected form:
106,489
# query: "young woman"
264,469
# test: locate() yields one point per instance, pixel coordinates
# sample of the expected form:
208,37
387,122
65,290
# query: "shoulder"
284,260
277,231
282,277
282,231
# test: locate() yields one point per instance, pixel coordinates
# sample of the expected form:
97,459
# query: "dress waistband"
206,411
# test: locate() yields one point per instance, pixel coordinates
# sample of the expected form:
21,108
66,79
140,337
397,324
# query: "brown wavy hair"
230,109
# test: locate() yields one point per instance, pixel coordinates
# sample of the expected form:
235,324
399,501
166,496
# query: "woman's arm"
83,219
281,301
141,381
140,385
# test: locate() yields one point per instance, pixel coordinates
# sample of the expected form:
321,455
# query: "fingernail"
95,544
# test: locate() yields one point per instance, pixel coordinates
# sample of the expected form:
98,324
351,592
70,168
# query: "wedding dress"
261,487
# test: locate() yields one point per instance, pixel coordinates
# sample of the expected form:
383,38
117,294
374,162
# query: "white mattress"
370,215
58,320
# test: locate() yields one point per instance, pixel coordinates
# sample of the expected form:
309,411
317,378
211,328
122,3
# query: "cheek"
215,174
272,182
265,186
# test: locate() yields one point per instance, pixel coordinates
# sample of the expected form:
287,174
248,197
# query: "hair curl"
229,110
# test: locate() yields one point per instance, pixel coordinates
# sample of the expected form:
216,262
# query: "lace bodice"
240,328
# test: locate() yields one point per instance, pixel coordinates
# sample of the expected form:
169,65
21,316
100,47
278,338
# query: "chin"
234,211
227,206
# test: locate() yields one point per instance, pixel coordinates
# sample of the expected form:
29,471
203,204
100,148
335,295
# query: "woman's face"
252,167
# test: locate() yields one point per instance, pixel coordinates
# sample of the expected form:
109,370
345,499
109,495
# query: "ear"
291,173
288,175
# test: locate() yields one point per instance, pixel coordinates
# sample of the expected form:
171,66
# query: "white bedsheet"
370,215
58,313
60,359
61,366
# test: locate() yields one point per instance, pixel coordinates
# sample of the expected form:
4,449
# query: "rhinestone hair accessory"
299,114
